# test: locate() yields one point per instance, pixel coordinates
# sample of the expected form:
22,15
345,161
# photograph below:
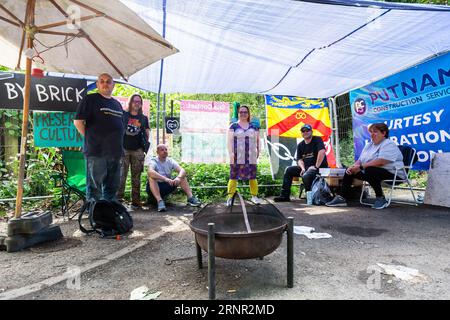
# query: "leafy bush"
39,169
418,178
347,151
215,176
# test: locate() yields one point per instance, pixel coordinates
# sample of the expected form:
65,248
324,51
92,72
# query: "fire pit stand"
222,233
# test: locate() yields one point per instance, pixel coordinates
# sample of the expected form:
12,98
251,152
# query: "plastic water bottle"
309,197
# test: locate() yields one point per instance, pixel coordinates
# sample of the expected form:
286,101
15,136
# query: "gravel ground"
341,267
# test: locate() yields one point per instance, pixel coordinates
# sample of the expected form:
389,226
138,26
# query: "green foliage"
217,175
347,151
204,175
11,121
41,165
39,168
211,176
418,178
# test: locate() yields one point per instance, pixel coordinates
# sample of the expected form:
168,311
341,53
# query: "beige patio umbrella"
86,37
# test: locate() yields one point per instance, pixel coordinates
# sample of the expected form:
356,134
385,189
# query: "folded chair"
409,158
72,182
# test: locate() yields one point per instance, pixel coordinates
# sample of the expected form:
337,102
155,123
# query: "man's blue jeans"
102,178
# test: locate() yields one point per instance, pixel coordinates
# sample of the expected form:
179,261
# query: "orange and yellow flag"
286,115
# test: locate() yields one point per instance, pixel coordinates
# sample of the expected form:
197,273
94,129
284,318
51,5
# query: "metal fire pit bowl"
232,239
241,232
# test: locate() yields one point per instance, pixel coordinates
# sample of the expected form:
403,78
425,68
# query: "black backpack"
107,218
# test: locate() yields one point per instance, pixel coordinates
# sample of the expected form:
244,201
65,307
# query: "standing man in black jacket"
310,157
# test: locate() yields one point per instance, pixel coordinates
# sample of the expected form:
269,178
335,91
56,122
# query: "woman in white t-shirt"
377,162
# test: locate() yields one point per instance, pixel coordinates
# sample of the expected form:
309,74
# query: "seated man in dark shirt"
310,157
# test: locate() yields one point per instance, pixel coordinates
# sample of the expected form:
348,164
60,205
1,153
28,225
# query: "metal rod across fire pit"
244,211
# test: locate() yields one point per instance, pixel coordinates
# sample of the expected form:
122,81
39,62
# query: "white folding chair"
409,158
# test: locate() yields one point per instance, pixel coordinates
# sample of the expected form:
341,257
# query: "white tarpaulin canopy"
312,49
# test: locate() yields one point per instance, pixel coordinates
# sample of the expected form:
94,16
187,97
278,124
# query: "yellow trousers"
232,186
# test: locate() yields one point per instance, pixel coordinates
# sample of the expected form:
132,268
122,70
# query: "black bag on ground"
107,218
320,191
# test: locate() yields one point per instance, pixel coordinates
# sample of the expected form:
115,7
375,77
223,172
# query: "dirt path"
340,267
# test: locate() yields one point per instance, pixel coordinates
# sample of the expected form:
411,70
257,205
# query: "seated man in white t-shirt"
160,180
377,162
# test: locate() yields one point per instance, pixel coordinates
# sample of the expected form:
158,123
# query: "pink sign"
204,116
205,106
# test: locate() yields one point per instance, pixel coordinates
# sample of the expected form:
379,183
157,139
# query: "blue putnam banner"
415,104
55,129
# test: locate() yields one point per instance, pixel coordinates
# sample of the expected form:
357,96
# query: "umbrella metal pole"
157,117
199,254
211,262
290,252
164,118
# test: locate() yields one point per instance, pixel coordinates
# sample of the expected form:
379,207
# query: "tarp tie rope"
324,47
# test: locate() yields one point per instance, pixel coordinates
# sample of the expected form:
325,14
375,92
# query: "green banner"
56,129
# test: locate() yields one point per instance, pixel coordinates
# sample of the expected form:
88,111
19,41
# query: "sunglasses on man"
305,130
